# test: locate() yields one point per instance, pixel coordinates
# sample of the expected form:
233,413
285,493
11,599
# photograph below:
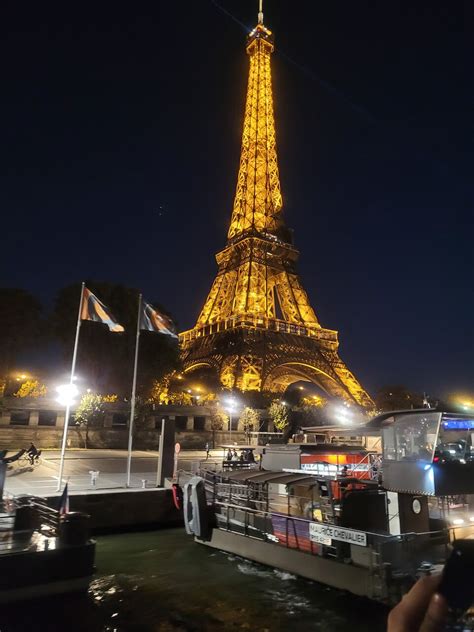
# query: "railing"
40,535
46,517
293,532
239,465
260,322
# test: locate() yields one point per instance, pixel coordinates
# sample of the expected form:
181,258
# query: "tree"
20,325
397,397
164,391
89,412
31,388
219,420
249,419
279,415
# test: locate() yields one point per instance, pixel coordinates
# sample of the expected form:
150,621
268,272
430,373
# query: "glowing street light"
230,406
66,394
343,414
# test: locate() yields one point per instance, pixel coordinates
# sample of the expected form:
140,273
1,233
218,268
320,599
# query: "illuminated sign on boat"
325,533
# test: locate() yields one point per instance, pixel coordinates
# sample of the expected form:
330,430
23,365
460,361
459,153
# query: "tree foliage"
249,419
219,419
164,391
279,415
89,412
31,388
397,397
90,409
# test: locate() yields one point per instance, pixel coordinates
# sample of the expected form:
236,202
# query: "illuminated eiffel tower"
257,329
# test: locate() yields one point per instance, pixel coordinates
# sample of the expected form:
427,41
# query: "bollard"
144,482
94,476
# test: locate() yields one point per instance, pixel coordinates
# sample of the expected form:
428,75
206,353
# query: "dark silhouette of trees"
105,359
21,326
397,397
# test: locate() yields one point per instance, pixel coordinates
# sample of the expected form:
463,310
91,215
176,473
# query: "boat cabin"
428,452
325,459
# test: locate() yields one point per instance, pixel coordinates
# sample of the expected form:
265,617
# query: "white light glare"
66,394
230,404
343,414
458,521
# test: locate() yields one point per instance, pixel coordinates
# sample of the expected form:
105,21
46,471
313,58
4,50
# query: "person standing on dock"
208,450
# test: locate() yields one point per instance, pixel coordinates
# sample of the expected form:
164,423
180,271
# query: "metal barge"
366,522
42,553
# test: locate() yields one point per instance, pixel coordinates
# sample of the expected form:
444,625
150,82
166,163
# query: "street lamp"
67,394
343,414
231,408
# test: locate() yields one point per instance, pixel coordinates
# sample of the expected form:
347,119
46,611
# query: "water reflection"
162,581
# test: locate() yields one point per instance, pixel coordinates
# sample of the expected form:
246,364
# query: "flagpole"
71,381
134,388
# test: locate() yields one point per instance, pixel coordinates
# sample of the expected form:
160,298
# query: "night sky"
121,124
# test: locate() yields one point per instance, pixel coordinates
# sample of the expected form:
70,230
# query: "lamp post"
231,408
66,397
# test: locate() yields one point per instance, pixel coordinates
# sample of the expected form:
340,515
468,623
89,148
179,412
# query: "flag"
153,320
95,310
64,502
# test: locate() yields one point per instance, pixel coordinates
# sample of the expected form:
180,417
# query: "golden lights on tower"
257,328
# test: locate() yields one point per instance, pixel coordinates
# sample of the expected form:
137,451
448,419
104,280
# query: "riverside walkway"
42,479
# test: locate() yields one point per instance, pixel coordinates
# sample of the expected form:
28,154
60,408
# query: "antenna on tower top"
260,11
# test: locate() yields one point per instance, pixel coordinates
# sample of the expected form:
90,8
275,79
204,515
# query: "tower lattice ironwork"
257,328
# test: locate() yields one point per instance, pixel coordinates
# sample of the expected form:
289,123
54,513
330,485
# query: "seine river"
163,582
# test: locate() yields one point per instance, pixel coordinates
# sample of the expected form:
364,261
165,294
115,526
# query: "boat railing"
42,517
404,552
239,465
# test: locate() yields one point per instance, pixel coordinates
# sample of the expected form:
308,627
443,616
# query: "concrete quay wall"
124,510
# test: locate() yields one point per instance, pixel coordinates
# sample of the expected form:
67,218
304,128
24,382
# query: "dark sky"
120,139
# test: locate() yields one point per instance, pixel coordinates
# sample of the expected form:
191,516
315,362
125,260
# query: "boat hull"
357,580
31,574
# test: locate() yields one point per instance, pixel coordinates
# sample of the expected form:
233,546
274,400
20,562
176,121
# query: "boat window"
389,445
412,437
455,440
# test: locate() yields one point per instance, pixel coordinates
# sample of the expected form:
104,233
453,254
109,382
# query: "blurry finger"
409,613
435,616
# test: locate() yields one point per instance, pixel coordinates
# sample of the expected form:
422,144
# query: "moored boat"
42,553
355,519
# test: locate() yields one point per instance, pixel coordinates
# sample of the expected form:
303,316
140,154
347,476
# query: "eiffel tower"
257,329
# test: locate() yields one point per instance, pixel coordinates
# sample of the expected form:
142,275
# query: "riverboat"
42,553
355,519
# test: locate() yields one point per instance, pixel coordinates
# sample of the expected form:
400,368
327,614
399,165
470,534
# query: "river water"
163,582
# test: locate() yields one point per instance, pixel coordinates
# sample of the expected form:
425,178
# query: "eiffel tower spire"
257,328
258,203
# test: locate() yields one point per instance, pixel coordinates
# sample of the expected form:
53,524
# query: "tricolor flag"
153,320
95,310
64,502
